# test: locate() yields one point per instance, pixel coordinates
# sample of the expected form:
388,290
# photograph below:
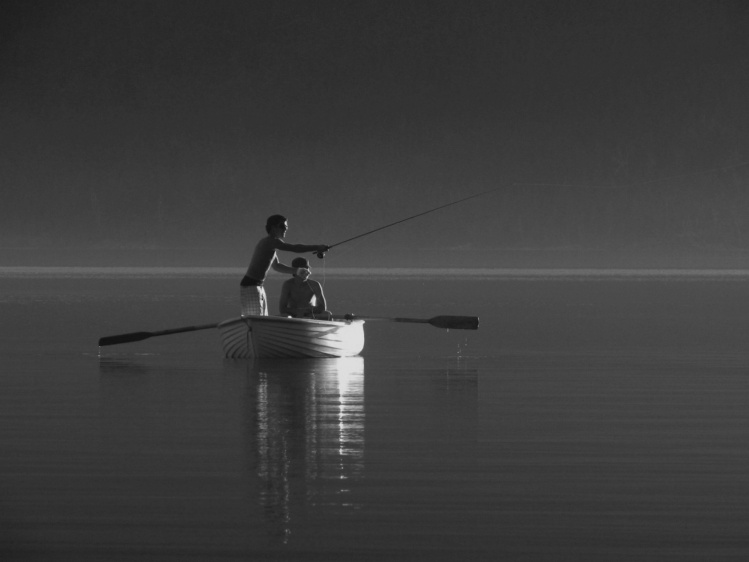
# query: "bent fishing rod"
322,254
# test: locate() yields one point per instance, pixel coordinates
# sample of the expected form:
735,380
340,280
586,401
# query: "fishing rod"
322,254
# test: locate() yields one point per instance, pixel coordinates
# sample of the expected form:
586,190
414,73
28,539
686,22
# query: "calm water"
592,417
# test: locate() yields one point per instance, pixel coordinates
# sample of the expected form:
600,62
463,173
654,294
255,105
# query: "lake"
595,415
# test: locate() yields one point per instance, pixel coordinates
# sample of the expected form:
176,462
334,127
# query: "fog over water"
152,132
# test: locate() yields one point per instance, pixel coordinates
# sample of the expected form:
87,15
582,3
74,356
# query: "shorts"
253,301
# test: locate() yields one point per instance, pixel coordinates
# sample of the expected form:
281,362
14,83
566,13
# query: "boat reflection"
308,434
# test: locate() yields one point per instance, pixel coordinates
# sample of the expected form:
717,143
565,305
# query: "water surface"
593,416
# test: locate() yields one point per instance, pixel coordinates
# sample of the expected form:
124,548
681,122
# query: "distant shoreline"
498,274
379,258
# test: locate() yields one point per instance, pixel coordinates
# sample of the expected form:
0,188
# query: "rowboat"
278,336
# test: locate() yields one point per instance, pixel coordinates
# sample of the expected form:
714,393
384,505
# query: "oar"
139,336
445,322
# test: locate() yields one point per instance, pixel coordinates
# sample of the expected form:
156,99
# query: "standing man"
302,297
252,293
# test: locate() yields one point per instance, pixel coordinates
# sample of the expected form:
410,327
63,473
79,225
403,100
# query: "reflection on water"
308,429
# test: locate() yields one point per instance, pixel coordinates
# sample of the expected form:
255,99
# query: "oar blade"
444,322
455,322
124,338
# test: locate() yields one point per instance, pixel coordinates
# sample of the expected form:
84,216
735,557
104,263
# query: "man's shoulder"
268,241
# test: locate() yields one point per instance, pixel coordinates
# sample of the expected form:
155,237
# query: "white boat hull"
276,336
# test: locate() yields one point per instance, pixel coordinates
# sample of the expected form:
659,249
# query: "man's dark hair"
274,220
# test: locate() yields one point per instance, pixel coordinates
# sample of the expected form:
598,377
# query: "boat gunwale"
291,320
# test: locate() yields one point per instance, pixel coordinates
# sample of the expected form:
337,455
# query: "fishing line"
635,184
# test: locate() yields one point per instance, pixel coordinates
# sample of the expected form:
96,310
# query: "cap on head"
300,262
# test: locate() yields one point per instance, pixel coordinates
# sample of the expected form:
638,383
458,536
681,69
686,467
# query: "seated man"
301,297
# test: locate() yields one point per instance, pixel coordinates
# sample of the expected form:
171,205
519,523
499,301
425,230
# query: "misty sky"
148,120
